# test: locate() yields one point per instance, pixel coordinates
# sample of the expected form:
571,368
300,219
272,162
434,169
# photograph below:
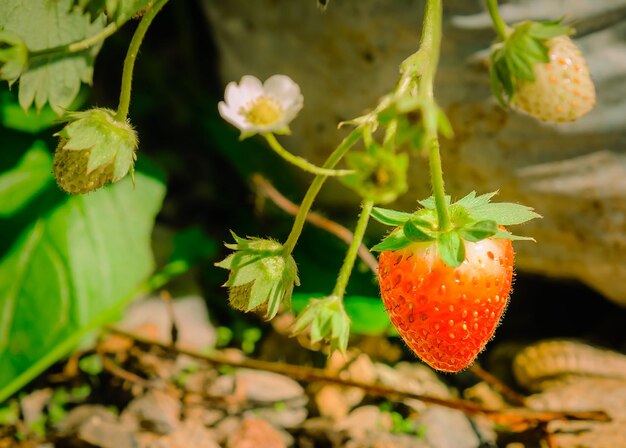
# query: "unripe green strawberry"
94,149
70,171
562,90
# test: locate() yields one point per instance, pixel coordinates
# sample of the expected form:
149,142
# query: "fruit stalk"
430,46
348,262
131,56
315,187
499,24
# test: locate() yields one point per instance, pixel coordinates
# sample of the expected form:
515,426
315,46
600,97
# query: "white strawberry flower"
254,107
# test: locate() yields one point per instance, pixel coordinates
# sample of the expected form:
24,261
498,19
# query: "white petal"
234,96
283,88
233,116
250,88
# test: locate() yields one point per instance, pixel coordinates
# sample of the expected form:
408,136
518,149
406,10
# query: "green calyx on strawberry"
261,276
94,149
327,320
446,290
540,71
473,218
13,56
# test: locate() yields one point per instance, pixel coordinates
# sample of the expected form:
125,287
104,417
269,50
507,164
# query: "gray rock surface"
345,59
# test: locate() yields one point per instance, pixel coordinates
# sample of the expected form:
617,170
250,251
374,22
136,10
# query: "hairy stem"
498,24
430,46
315,187
348,262
300,162
77,46
131,56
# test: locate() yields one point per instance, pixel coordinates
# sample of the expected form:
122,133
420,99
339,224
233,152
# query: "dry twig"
266,189
517,417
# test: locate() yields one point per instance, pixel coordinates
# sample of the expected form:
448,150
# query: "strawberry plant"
445,269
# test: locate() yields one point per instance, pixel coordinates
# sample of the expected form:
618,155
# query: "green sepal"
504,235
390,217
108,140
327,320
379,175
451,248
394,241
512,61
418,231
260,275
478,231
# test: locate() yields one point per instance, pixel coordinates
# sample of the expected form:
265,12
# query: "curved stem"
315,187
498,23
77,46
300,162
348,262
131,56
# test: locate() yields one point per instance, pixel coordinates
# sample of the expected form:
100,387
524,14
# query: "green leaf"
193,245
27,179
394,241
71,271
12,116
478,231
451,248
418,231
45,24
390,217
123,10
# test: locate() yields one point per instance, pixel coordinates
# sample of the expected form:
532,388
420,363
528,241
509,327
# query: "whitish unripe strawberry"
562,90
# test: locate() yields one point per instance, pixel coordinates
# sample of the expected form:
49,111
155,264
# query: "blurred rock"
347,57
33,405
106,434
195,331
255,433
335,401
77,417
448,428
273,397
156,411
187,435
364,420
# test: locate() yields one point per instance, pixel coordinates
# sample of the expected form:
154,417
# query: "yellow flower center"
262,111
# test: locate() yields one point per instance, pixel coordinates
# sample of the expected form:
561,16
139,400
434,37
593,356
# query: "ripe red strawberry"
562,89
447,315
